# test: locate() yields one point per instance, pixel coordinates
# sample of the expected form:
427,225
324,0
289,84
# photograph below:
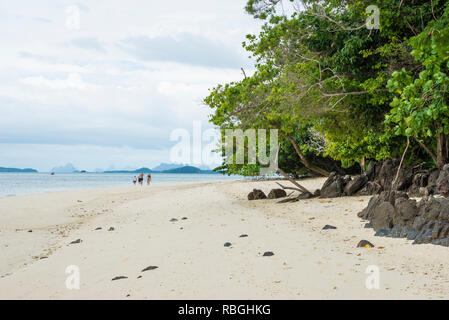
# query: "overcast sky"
107,89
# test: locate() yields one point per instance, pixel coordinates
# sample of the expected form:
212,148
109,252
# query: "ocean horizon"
12,184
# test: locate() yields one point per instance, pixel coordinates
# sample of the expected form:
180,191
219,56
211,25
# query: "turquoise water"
27,183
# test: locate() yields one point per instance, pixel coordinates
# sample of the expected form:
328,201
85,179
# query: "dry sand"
308,263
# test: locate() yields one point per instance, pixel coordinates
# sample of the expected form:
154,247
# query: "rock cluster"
379,177
394,214
257,194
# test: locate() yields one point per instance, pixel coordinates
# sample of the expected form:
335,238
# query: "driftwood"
282,172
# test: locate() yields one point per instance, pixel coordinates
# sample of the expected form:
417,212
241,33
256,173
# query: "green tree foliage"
321,68
420,109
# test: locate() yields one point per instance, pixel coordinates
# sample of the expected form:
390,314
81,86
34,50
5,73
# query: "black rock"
173,220
99,228
328,227
119,278
365,244
228,244
256,194
76,241
268,254
382,215
149,268
185,218
383,232
243,236
277,193
30,231
333,186
368,225
355,185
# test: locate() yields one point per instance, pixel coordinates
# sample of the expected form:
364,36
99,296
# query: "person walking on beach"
141,179
149,178
134,180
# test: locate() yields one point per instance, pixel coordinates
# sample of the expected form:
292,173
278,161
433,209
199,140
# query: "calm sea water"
27,183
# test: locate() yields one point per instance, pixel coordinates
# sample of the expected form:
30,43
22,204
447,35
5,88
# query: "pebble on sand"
99,228
228,244
328,227
119,278
111,229
76,241
243,236
149,268
268,254
173,220
365,244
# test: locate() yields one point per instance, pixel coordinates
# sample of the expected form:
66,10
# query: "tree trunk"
304,160
442,150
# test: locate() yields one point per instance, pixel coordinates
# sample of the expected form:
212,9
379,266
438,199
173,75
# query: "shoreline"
192,261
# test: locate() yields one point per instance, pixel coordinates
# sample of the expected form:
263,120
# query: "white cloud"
66,88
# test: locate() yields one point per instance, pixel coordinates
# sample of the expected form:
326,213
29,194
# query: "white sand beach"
192,261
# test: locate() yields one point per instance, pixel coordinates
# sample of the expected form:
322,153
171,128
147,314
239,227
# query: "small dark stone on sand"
268,254
185,218
227,244
150,268
99,228
43,258
365,244
76,241
328,227
30,230
119,278
368,225
139,277
111,229
243,236
173,220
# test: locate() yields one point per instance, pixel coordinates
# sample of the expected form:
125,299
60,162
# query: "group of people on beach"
140,179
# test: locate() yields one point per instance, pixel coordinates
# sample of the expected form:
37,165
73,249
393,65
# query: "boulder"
372,169
333,186
405,212
355,184
277,193
382,215
370,188
256,194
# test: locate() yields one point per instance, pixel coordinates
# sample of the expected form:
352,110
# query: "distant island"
27,170
141,170
188,169
184,169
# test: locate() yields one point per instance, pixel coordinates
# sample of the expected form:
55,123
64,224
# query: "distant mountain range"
168,166
28,170
162,168
184,169
141,170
